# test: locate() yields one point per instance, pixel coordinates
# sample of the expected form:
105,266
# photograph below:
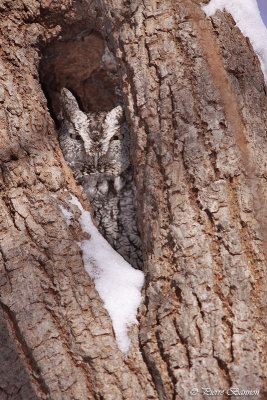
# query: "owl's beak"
96,159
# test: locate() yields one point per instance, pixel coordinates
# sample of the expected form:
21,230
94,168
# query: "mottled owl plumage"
97,148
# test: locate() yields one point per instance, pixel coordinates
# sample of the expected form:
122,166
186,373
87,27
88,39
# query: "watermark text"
234,391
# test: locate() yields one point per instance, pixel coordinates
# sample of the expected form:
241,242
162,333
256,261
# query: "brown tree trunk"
196,104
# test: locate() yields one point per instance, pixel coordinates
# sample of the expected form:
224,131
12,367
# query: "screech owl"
97,148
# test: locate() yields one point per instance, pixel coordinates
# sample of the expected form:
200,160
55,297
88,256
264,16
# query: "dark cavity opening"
79,60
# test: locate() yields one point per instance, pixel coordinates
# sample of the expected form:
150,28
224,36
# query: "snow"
67,214
118,284
248,18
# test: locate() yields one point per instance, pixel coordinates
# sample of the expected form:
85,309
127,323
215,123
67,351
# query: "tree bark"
195,102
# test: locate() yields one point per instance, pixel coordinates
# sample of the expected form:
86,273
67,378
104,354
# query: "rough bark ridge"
196,103
60,339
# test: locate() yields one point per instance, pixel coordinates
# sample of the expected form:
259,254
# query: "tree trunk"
195,102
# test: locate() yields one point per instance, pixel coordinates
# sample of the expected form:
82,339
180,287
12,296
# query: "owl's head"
103,135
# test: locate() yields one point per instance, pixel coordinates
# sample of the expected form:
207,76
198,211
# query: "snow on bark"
247,16
118,284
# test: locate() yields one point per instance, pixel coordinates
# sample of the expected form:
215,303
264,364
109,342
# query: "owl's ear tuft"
115,115
69,104
113,121
71,113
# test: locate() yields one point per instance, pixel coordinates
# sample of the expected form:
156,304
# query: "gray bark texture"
195,103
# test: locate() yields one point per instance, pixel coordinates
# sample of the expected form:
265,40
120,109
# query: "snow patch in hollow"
67,214
247,16
118,284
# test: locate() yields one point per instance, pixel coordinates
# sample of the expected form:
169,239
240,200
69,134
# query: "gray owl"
97,148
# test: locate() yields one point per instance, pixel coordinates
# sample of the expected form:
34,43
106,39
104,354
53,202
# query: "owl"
97,148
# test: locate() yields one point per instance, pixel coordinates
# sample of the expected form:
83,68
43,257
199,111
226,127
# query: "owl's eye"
120,137
75,136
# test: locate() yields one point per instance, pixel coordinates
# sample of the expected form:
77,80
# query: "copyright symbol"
194,391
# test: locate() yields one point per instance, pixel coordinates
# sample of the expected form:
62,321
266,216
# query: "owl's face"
99,140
